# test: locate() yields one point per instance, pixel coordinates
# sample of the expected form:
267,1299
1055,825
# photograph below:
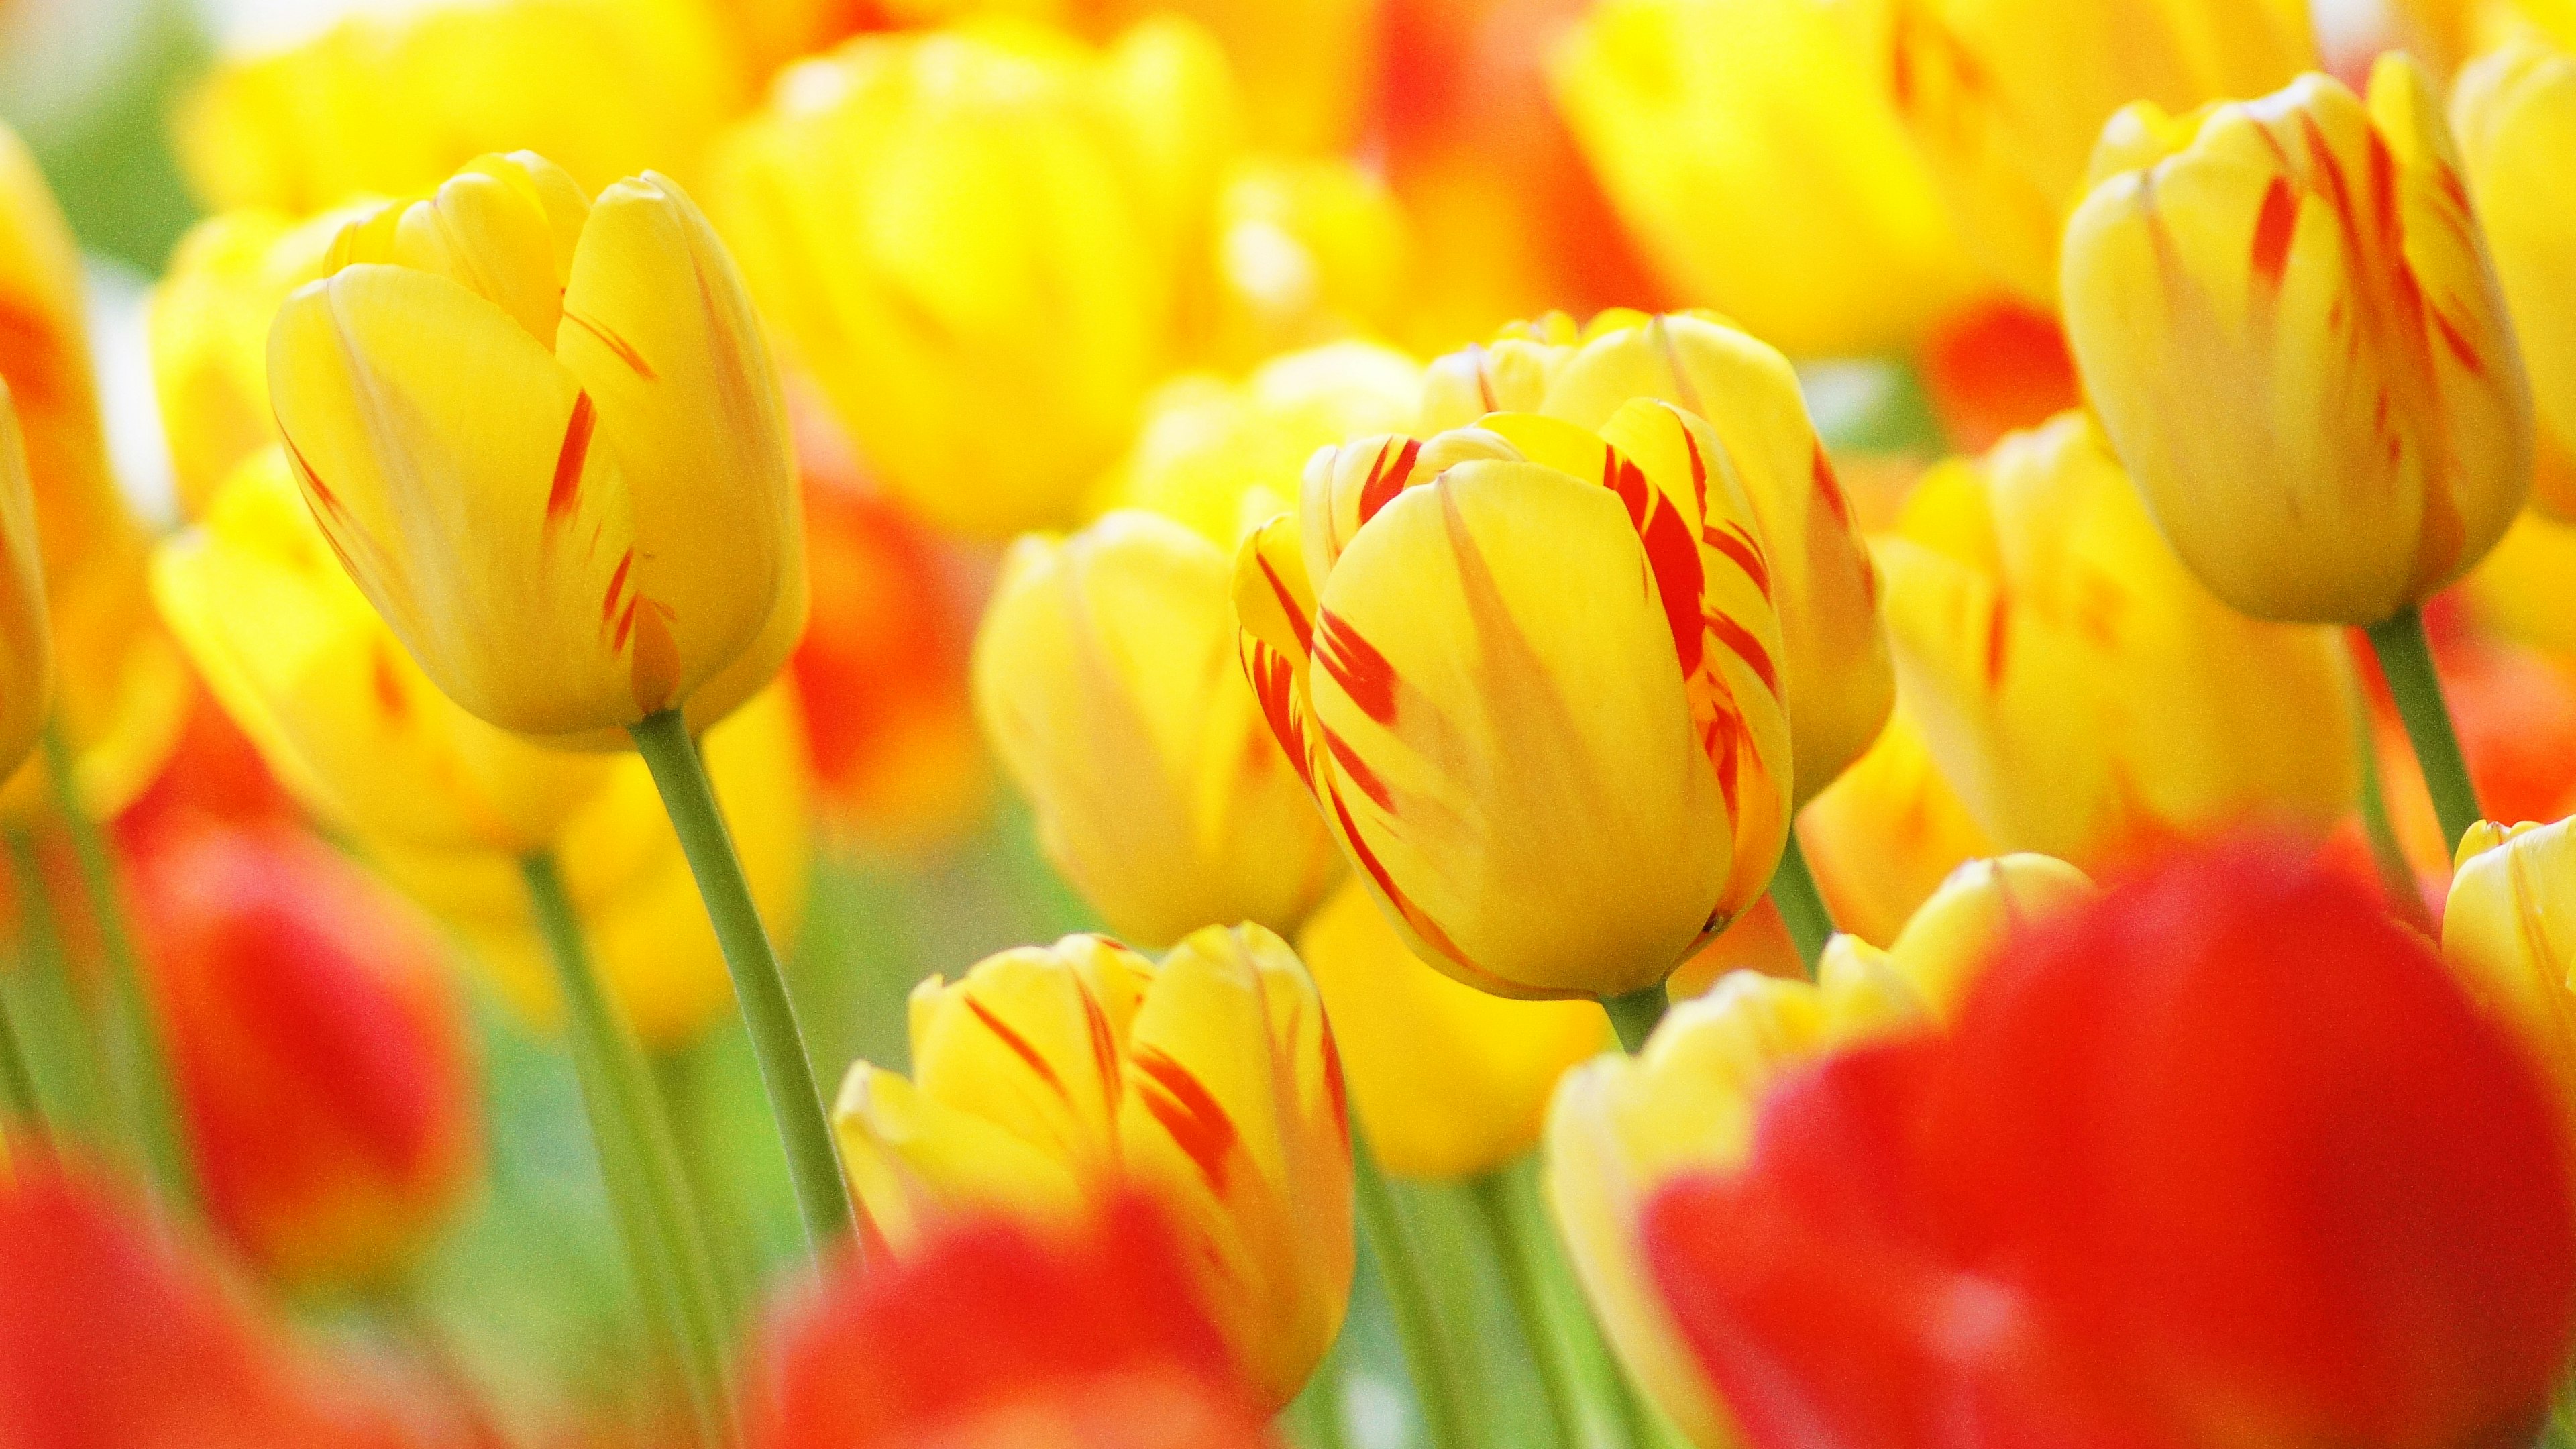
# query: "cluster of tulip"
2008,892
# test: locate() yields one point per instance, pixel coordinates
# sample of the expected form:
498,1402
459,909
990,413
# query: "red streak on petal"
1387,475
2459,344
568,461
625,350
625,626
1336,1093
1288,604
1421,922
2273,231
1183,1104
616,584
1356,770
1363,673
1747,648
388,684
1998,640
1104,1043
1830,487
30,355
1020,1047
1274,683
1730,539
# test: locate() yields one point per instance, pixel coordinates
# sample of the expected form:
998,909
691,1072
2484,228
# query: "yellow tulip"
545,437
1304,251
1215,455
2285,314
120,691
2516,115
1953,936
391,106
340,713
2519,591
2086,696
1836,669
1106,679
1544,718
1621,1127
1754,151
1448,1081
975,239
1050,1076
640,913
26,644
1882,838
2511,940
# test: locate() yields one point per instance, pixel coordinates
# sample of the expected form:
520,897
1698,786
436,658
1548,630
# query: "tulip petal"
914,1161
1031,1048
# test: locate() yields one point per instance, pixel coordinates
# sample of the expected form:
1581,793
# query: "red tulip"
2224,1159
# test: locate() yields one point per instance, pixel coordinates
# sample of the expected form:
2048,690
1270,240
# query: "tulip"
1883,837
1840,684
1975,918
26,644
1546,722
1047,1078
974,238
2086,696
514,413
1448,1081
996,1337
1620,1127
2510,945
390,106
1106,680
2515,112
2124,1201
2285,314
321,1057
2516,591
1304,252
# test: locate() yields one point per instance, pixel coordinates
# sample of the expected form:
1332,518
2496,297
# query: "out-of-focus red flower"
213,777
1998,368
109,1339
996,1338
319,1050
2222,1159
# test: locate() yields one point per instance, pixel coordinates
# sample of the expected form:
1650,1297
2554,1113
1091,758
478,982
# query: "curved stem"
785,1070
2406,659
1507,1226
1802,906
2387,854
1634,1016
1410,1295
666,1239
63,1050
17,1084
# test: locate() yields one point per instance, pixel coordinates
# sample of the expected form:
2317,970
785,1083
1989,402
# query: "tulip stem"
2406,660
17,1084
1517,1242
665,1236
1634,1015
2387,855
64,1053
785,1070
1802,906
137,1063
1411,1298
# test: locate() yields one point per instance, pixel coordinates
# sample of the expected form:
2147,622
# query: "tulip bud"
2086,695
1048,1077
1840,685
1545,717
1621,1127
2508,939
1448,1081
516,414
1981,909
26,644
320,1053
1022,208
2515,111
2285,315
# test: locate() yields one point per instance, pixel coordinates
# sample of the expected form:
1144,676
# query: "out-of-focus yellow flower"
630,885
2520,589
2511,938
1217,455
1106,678
120,691
1621,1127
1308,67
392,106
26,642
1047,1078
773,32
1448,1081
1544,716
1882,838
209,322
976,238
2515,111
1753,147
1305,251
2086,696
340,713
1953,936
1836,669
2284,312
545,437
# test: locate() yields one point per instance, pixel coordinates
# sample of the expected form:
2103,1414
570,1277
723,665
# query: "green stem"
639,1158
1634,1016
17,1085
1802,906
1507,1224
674,1078
2406,659
63,1052
2387,855
785,1070
137,1061
1412,1298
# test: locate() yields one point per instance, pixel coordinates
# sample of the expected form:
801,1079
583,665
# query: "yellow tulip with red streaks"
2515,112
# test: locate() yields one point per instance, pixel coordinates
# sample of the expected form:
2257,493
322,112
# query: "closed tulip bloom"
1448,1081
2087,697
26,642
974,239
1839,681
2515,111
1981,911
1622,1127
1048,1079
1531,674
2507,935
545,437
320,1053
1883,838
2285,314
1106,679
